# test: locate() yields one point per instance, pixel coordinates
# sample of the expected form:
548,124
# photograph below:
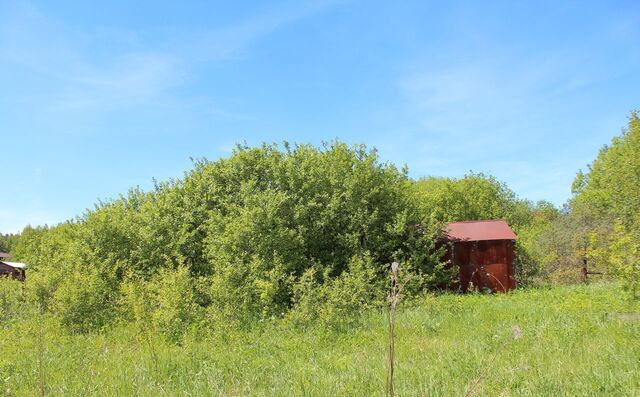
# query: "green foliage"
598,224
253,271
479,196
624,258
339,302
8,241
611,188
275,230
11,299
48,247
84,300
621,252
282,214
546,251
165,304
472,197
247,230
524,343
606,204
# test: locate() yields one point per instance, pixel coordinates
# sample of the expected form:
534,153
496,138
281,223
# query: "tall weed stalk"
394,298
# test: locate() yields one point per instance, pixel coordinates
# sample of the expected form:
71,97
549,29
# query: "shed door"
493,256
497,276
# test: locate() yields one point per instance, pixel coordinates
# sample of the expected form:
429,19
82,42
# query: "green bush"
11,299
249,234
84,300
176,310
340,301
165,304
621,253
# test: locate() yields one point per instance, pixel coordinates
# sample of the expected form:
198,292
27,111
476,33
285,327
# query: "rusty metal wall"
485,264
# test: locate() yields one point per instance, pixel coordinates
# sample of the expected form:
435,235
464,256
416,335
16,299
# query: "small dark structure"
14,270
3,255
484,251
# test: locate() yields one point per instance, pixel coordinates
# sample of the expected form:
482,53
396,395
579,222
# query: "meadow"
558,341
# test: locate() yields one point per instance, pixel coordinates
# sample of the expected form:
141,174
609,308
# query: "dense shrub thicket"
7,241
306,234
301,232
600,223
607,202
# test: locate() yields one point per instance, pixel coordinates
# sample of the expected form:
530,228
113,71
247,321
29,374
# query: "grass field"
573,341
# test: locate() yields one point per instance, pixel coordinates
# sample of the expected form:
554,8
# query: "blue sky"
97,98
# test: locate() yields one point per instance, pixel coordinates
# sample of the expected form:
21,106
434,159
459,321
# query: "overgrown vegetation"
300,232
265,274
307,234
572,340
7,241
601,222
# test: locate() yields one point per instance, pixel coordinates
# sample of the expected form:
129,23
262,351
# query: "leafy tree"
610,188
8,241
609,194
248,230
599,224
472,197
534,256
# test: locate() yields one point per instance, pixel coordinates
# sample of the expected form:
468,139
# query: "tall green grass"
565,341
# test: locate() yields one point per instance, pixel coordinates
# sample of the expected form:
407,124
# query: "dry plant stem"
394,297
390,355
41,380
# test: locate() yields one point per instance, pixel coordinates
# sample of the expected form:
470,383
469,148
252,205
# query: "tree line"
306,234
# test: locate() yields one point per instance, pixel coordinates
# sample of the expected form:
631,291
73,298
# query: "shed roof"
480,230
4,255
17,265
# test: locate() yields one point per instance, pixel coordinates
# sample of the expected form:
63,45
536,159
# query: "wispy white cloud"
480,114
64,58
232,41
69,78
484,92
106,69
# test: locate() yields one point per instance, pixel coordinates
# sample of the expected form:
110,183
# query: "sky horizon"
99,98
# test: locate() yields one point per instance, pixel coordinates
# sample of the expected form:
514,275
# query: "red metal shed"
14,270
484,251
